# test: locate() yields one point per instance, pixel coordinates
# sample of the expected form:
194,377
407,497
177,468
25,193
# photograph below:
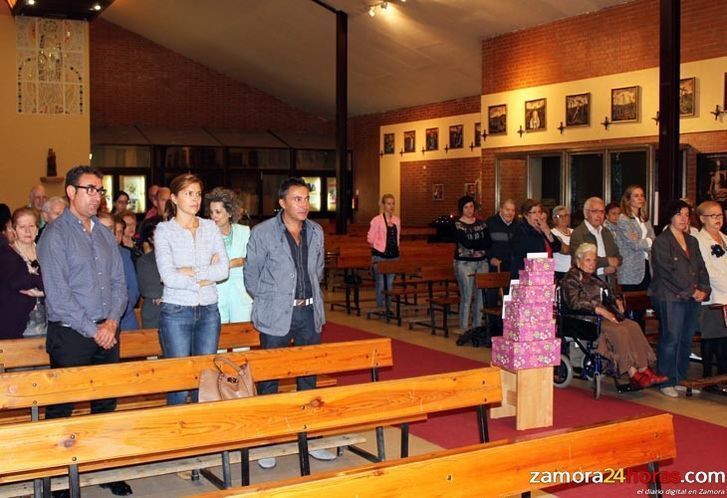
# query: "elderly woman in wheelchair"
620,340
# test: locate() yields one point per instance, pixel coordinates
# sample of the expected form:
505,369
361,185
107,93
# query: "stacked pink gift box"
528,339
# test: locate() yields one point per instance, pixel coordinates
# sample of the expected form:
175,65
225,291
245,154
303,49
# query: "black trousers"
303,333
68,348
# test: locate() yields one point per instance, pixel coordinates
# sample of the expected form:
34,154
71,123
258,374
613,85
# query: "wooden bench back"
636,301
495,280
30,352
65,385
493,469
438,273
112,437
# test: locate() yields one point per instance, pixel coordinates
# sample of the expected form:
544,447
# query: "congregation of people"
80,284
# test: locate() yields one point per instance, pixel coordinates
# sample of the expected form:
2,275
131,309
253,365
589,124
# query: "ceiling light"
372,10
97,7
29,2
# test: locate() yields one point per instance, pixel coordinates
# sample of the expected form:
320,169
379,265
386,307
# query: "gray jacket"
677,274
270,275
631,271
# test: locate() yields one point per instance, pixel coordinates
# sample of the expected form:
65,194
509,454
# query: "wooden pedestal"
527,395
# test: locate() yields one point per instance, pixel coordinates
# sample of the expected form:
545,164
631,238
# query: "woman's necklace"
19,249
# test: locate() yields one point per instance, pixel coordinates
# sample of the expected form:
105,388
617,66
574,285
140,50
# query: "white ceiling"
417,52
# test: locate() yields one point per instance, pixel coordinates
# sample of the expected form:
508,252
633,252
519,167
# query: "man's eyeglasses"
715,216
92,189
717,251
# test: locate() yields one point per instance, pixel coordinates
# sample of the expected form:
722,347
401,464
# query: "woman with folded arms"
713,246
191,259
679,285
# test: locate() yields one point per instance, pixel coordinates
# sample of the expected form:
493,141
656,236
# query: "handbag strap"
221,362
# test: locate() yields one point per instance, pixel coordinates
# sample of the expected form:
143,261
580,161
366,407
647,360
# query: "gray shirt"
83,274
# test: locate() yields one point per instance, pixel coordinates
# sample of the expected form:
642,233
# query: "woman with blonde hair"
712,326
383,237
634,237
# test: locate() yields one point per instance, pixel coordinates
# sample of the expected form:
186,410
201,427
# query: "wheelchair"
579,333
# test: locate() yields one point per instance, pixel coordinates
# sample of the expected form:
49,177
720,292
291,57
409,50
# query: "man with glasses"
592,231
85,289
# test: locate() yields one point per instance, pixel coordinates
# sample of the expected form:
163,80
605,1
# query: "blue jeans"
677,324
188,331
379,277
464,271
303,333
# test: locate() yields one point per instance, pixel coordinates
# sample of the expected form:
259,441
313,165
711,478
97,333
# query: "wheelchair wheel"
563,373
596,385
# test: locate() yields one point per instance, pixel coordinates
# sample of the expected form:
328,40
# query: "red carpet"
701,446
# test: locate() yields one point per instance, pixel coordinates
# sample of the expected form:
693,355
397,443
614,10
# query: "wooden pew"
500,468
79,444
32,389
441,276
136,344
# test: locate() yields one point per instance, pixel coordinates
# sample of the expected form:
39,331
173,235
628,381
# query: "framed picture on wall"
497,119
389,145
625,104
535,115
578,109
438,191
432,138
471,189
712,178
456,137
410,141
478,135
687,96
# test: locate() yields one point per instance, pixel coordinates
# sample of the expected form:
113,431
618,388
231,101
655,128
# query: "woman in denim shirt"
191,259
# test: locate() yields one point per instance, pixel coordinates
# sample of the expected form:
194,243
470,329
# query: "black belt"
98,321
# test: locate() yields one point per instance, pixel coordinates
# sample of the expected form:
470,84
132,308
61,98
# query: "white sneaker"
669,391
683,389
325,455
267,463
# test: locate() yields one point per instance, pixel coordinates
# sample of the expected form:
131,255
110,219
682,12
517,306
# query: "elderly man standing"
283,271
593,232
52,209
37,198
85,290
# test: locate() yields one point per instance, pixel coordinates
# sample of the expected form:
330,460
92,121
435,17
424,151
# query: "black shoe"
118,488
61,493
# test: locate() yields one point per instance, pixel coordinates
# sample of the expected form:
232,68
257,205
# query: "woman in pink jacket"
383,237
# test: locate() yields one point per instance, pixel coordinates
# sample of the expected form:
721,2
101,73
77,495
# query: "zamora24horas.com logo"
611,476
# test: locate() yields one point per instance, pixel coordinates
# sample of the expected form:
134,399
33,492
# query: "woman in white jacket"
713,246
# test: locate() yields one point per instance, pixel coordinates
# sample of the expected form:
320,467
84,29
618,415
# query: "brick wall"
417,206
364,141
136,81
613,40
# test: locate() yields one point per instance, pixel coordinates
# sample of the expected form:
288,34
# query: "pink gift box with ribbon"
540,264
528,314
521,333
531,277
524,294
530,354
